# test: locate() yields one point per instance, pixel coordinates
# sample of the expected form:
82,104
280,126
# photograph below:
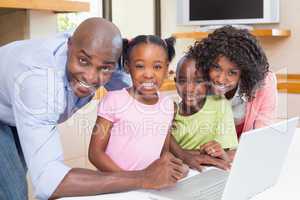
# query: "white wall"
41,23
284,53
133,17
96,8
169,26
44,23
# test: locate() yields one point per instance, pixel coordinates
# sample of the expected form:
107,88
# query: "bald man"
44,82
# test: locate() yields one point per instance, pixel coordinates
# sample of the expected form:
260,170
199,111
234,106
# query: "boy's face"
190,83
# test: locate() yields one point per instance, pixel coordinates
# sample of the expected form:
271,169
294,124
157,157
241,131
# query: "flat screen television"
222,12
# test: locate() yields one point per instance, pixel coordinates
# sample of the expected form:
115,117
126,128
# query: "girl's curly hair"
241,48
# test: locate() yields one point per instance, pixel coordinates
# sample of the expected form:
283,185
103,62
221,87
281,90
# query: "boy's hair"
240,47
166,44
192,54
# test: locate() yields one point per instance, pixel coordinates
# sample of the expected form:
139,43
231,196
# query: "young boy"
202,123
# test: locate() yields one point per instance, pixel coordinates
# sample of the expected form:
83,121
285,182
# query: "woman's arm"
267,95
98,144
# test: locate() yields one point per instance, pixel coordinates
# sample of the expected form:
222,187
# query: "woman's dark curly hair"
241,48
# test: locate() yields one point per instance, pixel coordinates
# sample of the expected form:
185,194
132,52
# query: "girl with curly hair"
238,69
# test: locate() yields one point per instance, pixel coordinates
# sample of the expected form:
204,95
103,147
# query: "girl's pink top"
139,130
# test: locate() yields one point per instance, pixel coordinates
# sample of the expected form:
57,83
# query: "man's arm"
36,109
81,182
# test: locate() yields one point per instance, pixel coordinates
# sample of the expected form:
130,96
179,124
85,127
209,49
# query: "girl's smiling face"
148,67
225,75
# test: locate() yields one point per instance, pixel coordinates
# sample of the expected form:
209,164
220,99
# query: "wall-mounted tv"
221,12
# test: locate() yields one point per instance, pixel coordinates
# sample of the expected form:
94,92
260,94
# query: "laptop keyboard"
208,185
212,191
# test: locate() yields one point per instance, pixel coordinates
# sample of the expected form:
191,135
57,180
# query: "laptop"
256,167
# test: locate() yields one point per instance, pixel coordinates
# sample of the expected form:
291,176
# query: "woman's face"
225,75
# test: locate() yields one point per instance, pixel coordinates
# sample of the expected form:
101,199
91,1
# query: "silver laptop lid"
259,160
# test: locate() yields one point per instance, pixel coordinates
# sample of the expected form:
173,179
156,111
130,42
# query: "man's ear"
69,42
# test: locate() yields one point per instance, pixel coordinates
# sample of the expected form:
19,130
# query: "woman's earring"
244,97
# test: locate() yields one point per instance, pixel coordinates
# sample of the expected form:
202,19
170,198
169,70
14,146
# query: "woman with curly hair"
238,69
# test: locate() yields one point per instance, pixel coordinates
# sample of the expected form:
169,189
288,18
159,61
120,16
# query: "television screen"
222,12
226,9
